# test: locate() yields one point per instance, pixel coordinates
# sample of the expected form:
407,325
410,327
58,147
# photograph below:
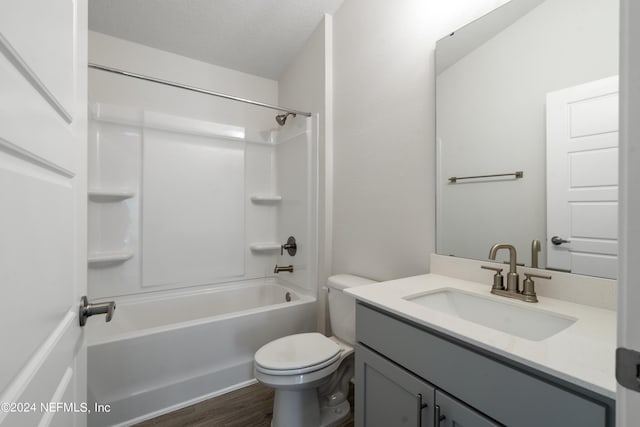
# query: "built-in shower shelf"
109,194
103,259
264,247
266,198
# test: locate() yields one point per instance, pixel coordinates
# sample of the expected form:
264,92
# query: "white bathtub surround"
296,180
170,349
582,354
193,209
586,290
180,202
142,113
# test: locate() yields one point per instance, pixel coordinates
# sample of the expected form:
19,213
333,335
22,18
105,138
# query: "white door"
582,178
628,399
42,211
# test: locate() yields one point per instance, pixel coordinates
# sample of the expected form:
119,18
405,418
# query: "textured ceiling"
260,37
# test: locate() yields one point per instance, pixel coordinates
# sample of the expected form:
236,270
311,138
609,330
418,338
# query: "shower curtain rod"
194,89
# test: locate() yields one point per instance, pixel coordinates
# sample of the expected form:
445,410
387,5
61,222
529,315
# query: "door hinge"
628,368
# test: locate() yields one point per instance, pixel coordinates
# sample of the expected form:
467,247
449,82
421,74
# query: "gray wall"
384,174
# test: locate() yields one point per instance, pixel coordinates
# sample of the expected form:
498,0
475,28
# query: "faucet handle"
290,246
528,287
498,278
540,276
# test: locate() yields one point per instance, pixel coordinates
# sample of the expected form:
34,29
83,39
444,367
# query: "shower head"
282,118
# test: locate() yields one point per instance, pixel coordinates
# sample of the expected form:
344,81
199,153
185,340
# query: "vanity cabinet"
406,373
392,396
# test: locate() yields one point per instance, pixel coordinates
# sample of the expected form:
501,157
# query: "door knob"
559,240
87,310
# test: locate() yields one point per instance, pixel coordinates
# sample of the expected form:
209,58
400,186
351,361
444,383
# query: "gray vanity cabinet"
401,366
391,396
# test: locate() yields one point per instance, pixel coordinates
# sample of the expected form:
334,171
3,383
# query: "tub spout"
277,269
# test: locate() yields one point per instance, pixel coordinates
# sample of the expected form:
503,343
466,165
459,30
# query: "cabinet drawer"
504,393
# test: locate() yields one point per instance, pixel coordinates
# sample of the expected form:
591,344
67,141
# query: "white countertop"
582,354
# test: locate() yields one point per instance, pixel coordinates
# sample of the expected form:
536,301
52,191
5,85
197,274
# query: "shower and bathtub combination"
187,218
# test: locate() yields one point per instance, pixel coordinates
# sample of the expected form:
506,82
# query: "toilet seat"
297,354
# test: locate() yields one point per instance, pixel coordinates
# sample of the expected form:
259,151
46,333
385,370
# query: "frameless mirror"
529,93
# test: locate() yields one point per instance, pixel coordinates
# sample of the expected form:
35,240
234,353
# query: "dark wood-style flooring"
250,406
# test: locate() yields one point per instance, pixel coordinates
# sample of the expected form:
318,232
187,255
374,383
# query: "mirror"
492,81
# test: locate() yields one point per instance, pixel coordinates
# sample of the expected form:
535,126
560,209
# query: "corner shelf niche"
264,247
105,259
266,198
106,195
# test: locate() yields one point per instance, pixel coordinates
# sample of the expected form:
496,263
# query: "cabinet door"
387,395
456,414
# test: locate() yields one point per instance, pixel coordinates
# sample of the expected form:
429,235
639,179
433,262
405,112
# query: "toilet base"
333,415
301,408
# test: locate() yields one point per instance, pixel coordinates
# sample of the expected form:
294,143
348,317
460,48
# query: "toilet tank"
342,306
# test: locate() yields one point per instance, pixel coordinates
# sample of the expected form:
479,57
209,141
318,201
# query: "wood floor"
248,407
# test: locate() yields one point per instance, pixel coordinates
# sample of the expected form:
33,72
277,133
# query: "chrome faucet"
528,293
513,284
277,269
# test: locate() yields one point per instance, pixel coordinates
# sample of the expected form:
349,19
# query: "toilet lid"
300,352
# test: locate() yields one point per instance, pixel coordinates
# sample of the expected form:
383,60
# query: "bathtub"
173,349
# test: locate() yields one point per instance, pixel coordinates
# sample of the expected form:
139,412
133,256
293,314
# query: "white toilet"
310,372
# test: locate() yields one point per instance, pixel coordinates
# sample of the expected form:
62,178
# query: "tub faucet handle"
290,246
87,310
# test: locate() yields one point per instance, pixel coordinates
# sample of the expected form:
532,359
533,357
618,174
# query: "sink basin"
527,323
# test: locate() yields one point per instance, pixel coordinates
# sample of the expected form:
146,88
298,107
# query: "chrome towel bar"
516,174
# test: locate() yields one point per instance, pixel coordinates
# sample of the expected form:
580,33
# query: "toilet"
310,372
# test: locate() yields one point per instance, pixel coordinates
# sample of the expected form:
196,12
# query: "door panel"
594,168
594,220
43,216
28,235
42,33
593,116
388,395
20,107
595,265
582,178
